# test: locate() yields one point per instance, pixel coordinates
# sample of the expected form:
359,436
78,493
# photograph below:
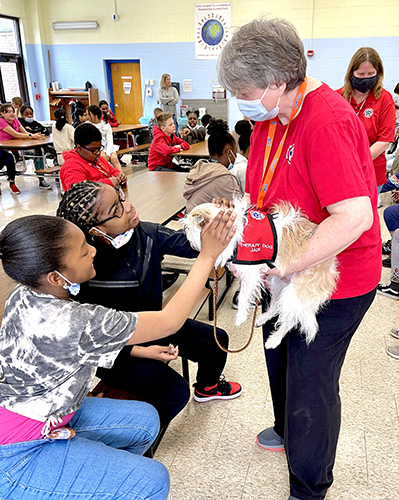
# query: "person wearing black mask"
373,105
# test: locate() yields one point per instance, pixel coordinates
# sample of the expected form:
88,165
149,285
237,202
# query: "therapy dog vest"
259,241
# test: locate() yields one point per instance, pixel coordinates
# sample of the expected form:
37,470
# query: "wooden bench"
133,149
52,172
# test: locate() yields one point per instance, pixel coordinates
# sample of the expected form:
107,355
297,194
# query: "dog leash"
215,296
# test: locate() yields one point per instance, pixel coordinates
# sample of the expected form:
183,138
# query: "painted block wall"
163,40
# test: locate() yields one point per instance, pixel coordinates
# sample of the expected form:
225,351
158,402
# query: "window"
12,72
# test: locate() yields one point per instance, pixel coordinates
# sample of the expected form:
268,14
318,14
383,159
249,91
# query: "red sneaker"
14,188
221,390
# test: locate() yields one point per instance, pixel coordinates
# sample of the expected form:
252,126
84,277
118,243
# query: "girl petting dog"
54,440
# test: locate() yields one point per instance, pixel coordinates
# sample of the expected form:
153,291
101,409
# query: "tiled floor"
210,448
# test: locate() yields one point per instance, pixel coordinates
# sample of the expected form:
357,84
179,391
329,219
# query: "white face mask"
29,120
119,240
73,288
254,110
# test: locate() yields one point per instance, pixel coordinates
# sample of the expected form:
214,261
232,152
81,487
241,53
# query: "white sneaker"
395,333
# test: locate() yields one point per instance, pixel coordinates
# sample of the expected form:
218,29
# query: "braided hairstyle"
81,204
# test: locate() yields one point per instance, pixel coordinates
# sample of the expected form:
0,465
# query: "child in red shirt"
164,144
85,161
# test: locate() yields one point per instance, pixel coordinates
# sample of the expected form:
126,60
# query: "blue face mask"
73,288
254,110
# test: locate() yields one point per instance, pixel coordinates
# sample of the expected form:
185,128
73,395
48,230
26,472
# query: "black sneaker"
234,302
43,184
389,290
168,279
221,390
386,248
386,262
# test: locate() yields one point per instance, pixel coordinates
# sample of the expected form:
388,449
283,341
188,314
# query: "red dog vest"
259,242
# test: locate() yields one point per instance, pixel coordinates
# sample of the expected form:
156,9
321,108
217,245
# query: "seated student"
94,115
108,115
210,179
85,161
11,128
153,121
63,134
129,278
243,129
194,132
79,117
17,103
34,127
165,143
55,442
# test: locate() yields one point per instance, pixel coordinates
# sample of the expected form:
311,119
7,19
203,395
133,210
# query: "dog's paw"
241,317
262,319
273,341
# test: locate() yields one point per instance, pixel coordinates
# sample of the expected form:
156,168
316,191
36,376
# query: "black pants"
304,383
7,160
157,383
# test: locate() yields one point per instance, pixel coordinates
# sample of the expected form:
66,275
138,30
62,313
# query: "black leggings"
157,383
7,160
304,384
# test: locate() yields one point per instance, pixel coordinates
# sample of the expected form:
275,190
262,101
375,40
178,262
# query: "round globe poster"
212,29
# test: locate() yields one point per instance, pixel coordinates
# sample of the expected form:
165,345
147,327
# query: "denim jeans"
103,460
304,384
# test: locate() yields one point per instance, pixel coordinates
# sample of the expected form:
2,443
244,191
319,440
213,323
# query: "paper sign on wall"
187,85
127,87
212,29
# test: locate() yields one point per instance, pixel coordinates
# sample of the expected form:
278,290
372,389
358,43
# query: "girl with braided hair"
129,278
54,441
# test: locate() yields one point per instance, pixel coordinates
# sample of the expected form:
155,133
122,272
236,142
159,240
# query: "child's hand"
158,352
122,178
217,234
223,202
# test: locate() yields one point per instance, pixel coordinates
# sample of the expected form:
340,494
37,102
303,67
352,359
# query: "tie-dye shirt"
50,349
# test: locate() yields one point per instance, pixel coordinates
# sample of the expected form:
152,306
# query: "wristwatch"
30,135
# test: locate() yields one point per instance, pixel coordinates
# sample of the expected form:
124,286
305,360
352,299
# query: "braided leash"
215,296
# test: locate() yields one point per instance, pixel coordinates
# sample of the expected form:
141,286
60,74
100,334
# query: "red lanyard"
97,167
268,174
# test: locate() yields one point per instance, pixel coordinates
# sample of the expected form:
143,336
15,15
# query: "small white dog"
295,298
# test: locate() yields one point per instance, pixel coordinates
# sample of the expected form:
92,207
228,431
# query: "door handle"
116,105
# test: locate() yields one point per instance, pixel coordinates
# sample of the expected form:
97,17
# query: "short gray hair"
260,53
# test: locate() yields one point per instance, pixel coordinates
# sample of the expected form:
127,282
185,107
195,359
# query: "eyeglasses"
119,208
94,151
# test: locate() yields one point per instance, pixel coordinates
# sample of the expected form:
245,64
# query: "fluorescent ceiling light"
75,25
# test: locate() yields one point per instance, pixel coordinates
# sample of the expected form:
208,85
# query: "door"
126,91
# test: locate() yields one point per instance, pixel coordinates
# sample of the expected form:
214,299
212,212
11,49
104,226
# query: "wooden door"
126,85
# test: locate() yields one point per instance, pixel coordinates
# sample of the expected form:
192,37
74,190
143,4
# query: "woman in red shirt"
307,148
372,104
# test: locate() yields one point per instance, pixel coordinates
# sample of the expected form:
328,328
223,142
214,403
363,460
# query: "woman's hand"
217,234
223,202
158,352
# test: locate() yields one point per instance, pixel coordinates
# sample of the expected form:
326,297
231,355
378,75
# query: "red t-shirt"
378,117
325,159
